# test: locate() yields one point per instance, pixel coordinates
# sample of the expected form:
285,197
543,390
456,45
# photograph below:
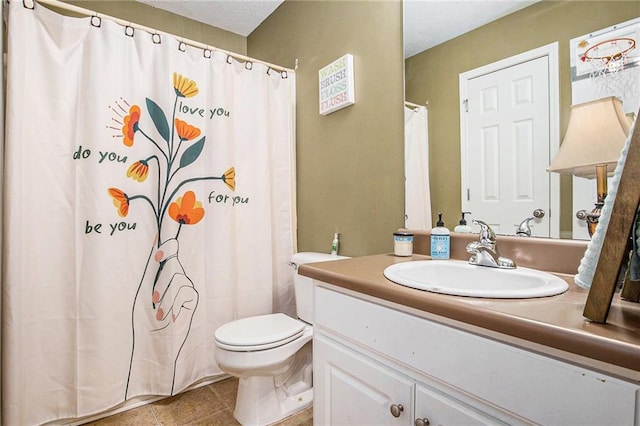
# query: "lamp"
592,145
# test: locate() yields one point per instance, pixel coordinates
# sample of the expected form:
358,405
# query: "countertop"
552,325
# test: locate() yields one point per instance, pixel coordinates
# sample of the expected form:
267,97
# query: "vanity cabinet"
353,389
377,364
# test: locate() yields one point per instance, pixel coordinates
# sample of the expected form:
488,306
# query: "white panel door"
507,147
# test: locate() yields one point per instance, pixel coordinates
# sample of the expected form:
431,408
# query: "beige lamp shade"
596,134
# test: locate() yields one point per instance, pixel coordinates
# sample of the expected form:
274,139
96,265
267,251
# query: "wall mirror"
433,75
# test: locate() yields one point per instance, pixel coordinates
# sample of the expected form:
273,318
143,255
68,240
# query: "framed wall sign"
336,85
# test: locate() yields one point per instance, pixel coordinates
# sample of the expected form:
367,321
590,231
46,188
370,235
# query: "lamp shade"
596,134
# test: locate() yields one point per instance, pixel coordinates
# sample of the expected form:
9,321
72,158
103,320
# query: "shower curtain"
416,169
148,195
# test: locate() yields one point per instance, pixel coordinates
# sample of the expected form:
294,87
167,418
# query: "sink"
459,278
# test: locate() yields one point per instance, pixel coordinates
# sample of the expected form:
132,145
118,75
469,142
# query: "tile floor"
210,405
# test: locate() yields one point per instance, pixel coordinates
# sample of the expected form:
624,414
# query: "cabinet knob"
396,410
421,422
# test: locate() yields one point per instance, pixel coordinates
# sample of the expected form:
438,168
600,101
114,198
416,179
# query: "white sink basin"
459,278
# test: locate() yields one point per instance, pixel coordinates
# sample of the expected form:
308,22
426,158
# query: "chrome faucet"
484,252
524,229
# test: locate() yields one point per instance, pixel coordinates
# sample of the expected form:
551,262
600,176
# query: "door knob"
396,410
581,214
538,213
421,422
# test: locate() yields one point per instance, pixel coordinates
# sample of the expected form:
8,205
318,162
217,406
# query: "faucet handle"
486,233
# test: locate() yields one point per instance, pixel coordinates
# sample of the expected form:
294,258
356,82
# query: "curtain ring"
248,65
96,21
182,46
155,37
268,70
229,59
26,6
129,31
206,53
284,74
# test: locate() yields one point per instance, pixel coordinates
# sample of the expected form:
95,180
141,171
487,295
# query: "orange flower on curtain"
186,210
185,130
138,170
120,200
131,125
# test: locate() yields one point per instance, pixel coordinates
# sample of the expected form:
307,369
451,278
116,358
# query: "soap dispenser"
440,240
334,244
463,227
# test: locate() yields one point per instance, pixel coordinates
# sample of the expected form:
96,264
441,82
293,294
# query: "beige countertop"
551,325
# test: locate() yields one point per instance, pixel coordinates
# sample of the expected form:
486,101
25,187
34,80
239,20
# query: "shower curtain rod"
412,105
88,12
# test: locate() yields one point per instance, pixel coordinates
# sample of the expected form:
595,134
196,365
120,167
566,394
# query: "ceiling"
427,22
237,16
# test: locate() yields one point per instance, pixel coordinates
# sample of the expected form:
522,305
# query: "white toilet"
271,355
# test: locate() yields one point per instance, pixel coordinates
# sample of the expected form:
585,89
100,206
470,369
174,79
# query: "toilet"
271,355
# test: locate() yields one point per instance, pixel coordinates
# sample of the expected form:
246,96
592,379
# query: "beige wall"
350,162
433,75
161,20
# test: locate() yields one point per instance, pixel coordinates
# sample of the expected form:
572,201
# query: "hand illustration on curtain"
162,313
166,298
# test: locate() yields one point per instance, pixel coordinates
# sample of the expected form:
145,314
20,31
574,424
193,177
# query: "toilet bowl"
271,355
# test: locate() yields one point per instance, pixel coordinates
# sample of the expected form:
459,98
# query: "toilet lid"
259,332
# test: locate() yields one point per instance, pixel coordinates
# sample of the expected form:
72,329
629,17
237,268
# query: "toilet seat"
258,333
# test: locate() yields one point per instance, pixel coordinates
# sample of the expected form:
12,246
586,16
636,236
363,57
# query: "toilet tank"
303,286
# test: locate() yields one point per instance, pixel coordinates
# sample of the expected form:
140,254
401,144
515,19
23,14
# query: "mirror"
433,75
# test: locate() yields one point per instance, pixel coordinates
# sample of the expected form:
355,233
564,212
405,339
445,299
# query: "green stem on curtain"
153,142
144,197
173,127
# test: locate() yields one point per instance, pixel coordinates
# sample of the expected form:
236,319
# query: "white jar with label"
403,243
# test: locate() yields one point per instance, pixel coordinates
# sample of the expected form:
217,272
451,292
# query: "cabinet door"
440,409
351,389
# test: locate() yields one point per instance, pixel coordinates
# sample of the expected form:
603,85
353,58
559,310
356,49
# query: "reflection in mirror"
416,167
433,73
595,136
510,112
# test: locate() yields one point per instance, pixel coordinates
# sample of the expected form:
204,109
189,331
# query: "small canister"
402,243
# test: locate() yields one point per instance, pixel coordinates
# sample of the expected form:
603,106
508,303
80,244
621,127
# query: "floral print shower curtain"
149,200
